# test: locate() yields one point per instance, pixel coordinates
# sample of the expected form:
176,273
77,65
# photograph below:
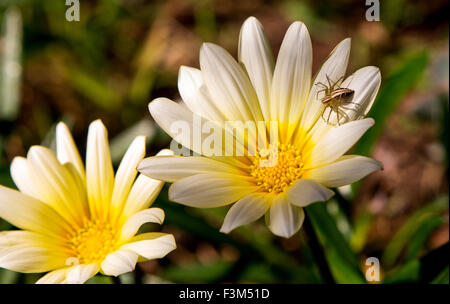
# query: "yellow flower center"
277,168
93,242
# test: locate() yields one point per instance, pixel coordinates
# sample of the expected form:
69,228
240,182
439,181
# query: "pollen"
277,168
93,242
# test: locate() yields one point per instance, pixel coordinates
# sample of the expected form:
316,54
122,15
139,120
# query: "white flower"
75,222
311,151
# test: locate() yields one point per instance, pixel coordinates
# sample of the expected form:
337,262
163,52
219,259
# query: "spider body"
335,98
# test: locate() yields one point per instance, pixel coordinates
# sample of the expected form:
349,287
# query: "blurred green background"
122,54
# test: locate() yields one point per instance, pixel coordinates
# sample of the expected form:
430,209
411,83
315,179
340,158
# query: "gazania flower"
76,223
310,145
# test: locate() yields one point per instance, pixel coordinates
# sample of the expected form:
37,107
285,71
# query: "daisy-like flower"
76,223
310,146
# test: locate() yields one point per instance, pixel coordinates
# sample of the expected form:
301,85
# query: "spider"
335,98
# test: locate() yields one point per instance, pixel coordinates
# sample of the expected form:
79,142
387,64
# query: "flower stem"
116,280
317,251
138,274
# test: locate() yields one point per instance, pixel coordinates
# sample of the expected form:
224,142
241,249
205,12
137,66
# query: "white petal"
210,190
177,121
346,170
81,273
166,113
173,168
229,86
292,76
28,213
70,275
28,258
23,237
54,277
285,219
127,173
66,149
334,67
365,82
245,211
118,262
20,173
338,141
99,170
79,184
55,185
256,55
131,226
307,191
195,95
152,245
144,192
181,124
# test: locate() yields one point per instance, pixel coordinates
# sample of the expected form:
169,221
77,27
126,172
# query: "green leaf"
361,230
252,246
258,273
341,259
427,269
5,178
275,256
342,271
4,225
409,273
391,93
404,235
8,276
205,19
99,279
198,273
94,89
442,278
423,232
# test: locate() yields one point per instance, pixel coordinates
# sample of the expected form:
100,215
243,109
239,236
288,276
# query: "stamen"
93,242
283,172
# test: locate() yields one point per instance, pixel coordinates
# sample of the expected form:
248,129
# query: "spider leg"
329,114
355,103
329,81
347,103
320,83
337,114
339,79
351,109
333,85
338,111
351,79
320,91
323,112
344,115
